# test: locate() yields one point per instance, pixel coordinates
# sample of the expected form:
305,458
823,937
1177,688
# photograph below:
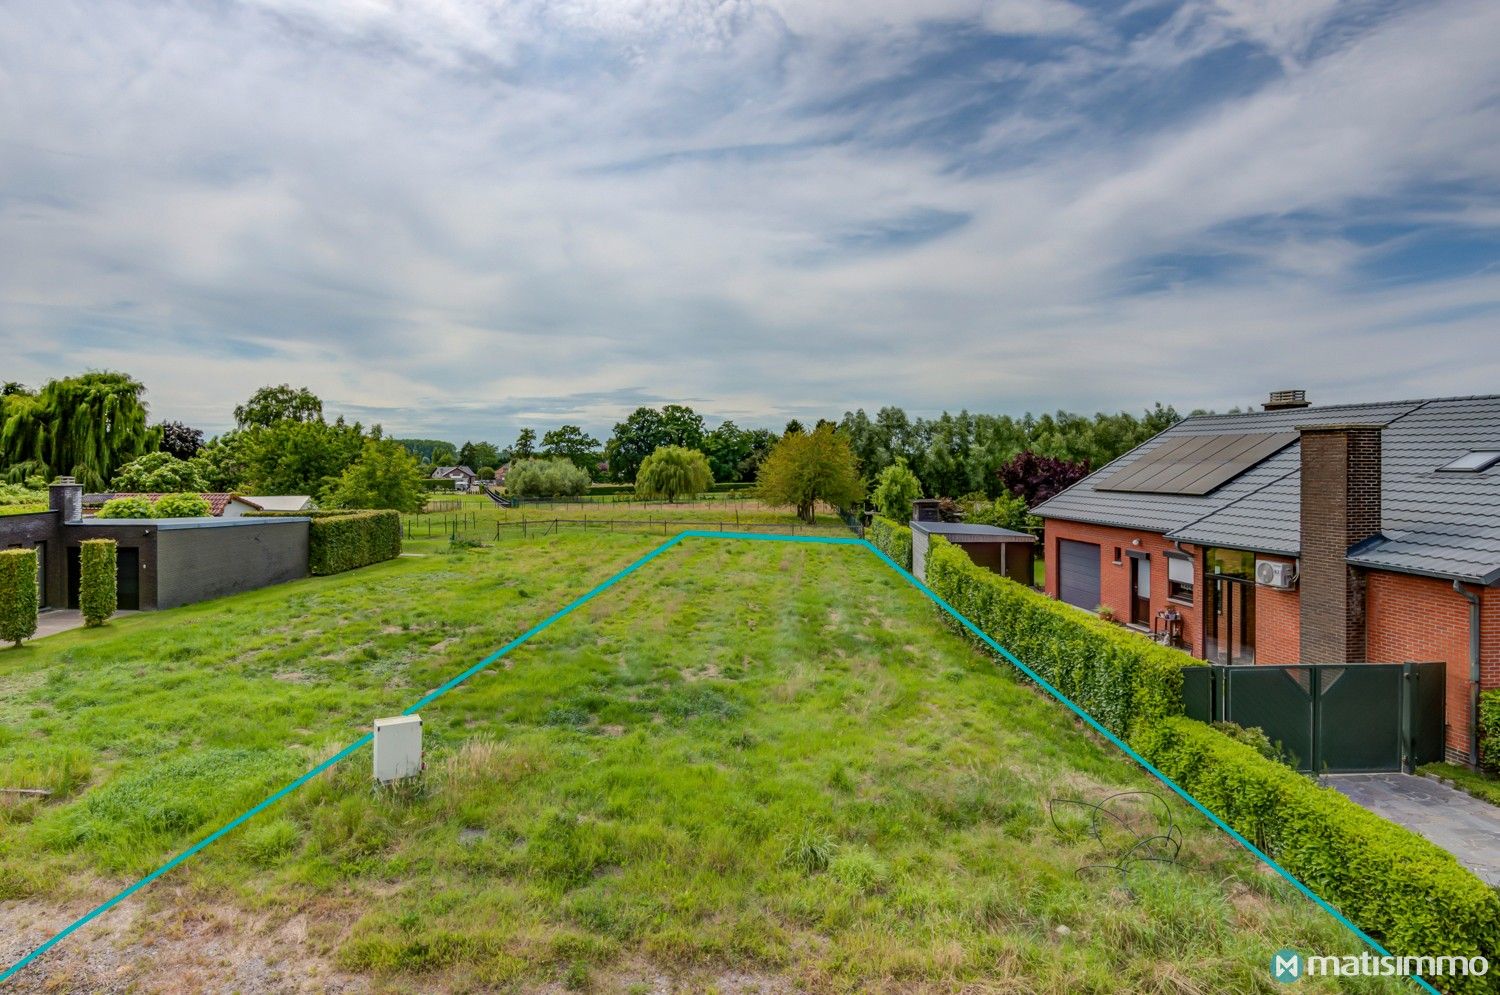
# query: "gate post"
1408,731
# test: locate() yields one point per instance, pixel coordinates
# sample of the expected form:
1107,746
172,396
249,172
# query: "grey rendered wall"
918,554
196,564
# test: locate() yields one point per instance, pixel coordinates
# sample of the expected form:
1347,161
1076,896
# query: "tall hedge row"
18,595
97,594
1116,676
1489,731
336,543
1410,894
891,538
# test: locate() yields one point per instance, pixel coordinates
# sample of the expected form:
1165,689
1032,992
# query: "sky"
458,218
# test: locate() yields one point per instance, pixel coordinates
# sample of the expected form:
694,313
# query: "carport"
1004,551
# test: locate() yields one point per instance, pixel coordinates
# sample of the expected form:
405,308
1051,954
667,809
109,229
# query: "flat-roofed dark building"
1004,551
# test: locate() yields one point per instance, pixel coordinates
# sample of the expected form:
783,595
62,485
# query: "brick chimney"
65,495
1340,509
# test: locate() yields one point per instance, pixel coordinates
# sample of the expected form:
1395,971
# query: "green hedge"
18,595
891,538
339,540
437,484
1119,677
1408,893
97,597
1489,731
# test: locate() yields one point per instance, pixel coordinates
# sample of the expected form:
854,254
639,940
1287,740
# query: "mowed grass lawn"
751,766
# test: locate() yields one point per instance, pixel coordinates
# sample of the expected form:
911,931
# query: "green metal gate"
1333,718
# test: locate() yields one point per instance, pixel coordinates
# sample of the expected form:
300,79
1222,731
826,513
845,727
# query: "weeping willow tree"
86,426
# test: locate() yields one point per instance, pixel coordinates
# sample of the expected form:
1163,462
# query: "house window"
1117,556
1179,578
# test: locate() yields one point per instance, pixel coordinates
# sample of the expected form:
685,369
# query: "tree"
270,405
476,454
681,426
793,427
18,594
647,430
485,473
98,596
181,506
158,473
180,440
86,426
223,464
434,451
897,489
300,457
807,468
727,448
126,507
384,476
574,445
1008,511
545,478
525,447
1035,478
673,472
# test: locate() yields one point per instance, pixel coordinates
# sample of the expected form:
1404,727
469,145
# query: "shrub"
892,539
18,595
1410,893
897,488
181,506
672,472
96,580
546,478
384,476
126,507
158,472
339,541
1489,731
1118,677
15,495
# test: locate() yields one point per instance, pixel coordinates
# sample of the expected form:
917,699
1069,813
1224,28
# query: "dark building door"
1140,590
1078,573
127,578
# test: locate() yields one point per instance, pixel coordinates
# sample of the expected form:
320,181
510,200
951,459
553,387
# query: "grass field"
750,767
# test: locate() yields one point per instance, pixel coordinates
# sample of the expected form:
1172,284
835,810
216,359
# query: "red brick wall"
1114,580
1420,618
1278,622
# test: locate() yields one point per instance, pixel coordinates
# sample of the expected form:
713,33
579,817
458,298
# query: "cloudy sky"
461,216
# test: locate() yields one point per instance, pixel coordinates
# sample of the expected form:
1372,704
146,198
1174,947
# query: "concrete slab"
1458,822
50,623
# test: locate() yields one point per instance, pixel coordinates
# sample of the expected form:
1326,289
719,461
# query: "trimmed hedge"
97,597
1118,677
18,595
891,538
1410,894
344,540
1489,731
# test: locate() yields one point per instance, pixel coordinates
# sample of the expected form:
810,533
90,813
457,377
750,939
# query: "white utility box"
398,748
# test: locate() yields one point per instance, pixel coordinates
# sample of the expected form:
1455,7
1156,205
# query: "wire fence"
469,526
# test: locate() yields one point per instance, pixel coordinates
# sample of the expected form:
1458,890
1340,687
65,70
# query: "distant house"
500,472
463,478
243,504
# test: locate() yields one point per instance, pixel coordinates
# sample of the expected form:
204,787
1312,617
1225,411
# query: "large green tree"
545,478
283,402
434,451
476,454
525,447
728,447
384,476
158,473
811,468
647,430
673,472
897,489
86,426
300,457
574,445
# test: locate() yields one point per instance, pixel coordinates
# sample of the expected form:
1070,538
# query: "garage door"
1078,573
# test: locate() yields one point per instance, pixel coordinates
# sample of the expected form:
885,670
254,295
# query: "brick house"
1360,533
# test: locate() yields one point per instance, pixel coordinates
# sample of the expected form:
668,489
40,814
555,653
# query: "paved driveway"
1459,823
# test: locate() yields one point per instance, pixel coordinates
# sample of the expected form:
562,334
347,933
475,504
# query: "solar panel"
1195,465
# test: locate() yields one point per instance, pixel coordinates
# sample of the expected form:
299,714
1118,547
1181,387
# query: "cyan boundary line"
577,603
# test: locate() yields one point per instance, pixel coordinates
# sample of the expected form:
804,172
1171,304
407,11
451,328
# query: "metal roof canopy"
1196,464
972,533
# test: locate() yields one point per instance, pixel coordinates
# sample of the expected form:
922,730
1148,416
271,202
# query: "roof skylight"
1474,462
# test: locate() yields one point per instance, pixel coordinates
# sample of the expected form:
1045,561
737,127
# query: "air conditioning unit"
1279,575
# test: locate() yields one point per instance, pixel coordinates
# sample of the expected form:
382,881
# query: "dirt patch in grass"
173,942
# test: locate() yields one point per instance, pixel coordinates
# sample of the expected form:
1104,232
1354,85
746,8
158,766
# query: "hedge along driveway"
1406,892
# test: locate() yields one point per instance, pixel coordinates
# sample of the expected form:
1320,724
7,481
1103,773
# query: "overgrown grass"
757,758
1477,783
